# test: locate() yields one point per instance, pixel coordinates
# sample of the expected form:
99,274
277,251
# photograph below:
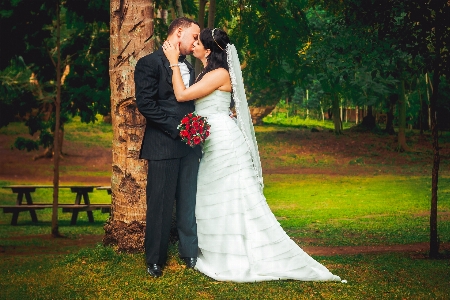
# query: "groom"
172,165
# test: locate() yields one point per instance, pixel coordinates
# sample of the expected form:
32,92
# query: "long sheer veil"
244,119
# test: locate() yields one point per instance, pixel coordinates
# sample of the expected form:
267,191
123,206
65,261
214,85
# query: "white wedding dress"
239,238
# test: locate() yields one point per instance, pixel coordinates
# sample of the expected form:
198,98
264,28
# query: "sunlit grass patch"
91,134
14,128
295,121
355,210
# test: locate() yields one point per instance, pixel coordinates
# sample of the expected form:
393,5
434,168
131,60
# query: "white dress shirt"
185,74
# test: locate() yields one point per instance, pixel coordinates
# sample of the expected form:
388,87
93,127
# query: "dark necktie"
181,58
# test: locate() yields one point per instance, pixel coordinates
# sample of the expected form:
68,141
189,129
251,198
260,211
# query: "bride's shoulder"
217,73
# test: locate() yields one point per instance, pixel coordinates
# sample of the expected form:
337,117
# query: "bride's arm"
210,82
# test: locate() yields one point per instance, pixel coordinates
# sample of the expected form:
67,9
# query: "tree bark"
56,146
369,120
201,23
434,238
336,116
402,146
130,39
390,115
211,13
179,8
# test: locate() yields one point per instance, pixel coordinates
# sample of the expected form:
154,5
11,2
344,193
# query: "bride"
238,236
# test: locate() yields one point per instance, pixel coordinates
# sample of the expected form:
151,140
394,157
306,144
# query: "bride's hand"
171,51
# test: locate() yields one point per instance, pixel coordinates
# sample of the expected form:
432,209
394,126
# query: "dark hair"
182,22
217,44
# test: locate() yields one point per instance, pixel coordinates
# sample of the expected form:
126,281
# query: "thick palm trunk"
131,31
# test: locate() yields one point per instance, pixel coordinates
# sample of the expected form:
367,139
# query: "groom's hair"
182,22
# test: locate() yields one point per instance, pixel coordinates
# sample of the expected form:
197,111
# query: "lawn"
329,193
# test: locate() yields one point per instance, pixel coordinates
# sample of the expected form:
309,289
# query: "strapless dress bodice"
218,102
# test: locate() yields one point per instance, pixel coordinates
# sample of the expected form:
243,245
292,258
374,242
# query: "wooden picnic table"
82,193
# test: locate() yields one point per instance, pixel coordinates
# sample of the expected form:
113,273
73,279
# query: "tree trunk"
402,146
369,120
390,115
429,87
434,239
179,8
201,23
356,115
56,146
336,116
131,30
211,13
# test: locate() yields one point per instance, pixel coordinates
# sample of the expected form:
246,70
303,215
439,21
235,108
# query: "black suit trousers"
171,180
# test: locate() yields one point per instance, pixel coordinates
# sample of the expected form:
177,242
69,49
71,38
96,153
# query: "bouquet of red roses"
193,129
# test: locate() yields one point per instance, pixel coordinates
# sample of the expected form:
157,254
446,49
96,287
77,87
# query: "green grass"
87,135
14,128
92,134
295,121
362,211
356,210
100,273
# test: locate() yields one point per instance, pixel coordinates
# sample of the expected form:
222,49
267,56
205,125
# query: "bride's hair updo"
217,44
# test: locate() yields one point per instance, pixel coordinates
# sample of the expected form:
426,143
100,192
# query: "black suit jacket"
156,101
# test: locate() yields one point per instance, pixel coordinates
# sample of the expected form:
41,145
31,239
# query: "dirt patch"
353,153
47,244
352,250
283,151
90,165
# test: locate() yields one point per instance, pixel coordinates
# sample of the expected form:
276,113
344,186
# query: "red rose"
184,133
185,120
197,140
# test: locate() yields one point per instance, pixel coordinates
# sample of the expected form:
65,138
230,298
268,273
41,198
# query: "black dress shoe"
154,270
190,261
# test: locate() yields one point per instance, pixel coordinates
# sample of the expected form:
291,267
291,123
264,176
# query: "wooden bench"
26,190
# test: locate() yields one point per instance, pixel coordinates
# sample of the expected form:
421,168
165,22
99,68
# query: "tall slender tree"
56,144
131,31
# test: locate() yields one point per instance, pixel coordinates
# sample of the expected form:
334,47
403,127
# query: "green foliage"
16,92
85,53
268,35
